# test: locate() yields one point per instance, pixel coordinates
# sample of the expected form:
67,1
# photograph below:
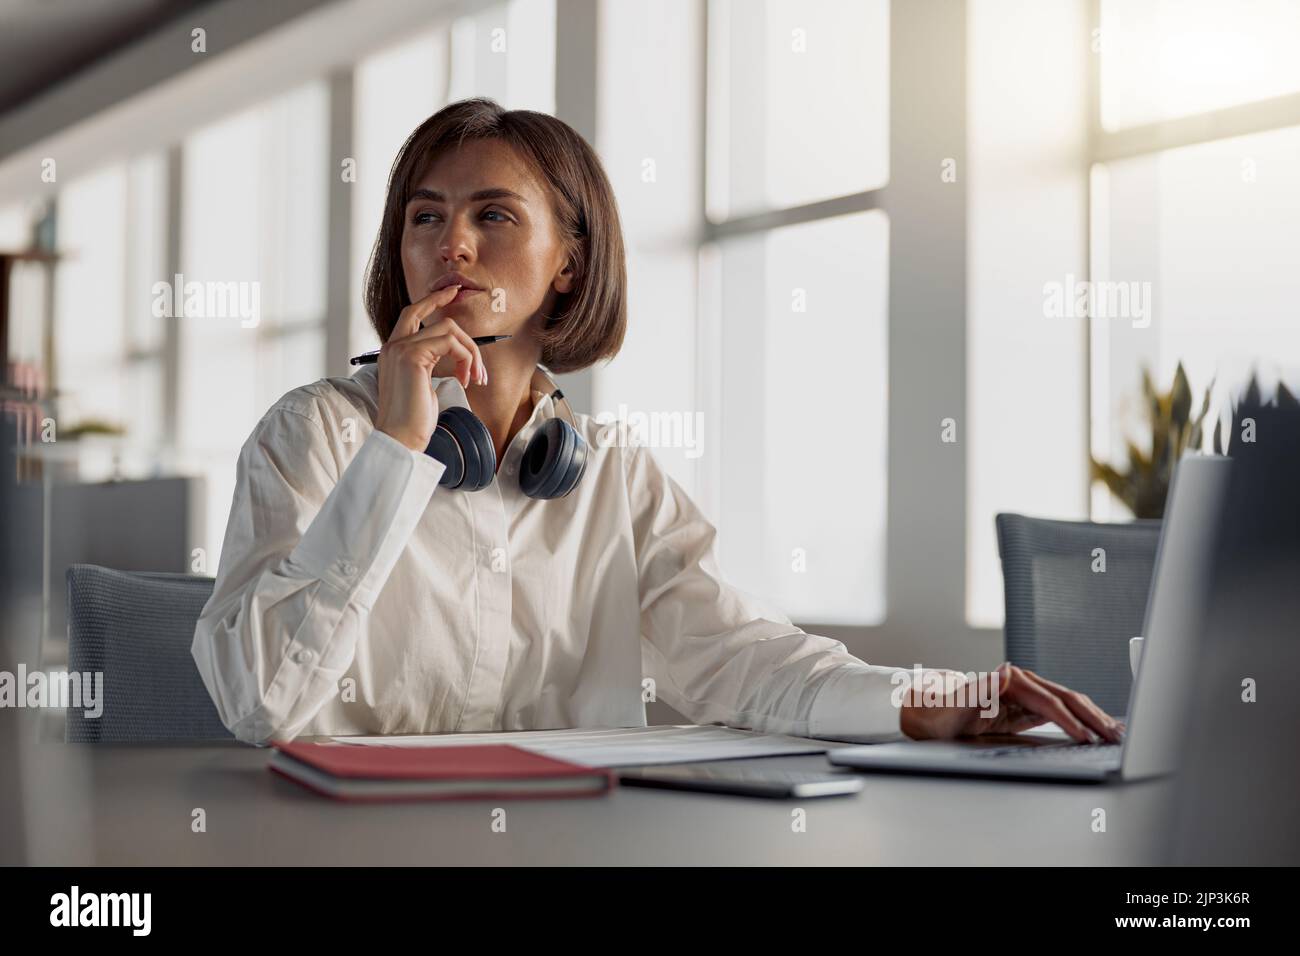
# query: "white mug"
1134,653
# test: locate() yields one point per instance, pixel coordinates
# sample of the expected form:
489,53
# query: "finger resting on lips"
414,316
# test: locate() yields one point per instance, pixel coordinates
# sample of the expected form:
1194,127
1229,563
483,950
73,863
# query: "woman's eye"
423,218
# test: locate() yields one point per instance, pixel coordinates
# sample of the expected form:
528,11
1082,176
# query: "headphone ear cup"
464,445
554,461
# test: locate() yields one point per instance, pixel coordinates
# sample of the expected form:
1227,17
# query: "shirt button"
303,656
347,568
510,469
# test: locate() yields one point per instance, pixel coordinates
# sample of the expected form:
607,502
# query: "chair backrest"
1066,618
136,627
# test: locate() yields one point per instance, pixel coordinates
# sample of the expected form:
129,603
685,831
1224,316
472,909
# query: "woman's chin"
469,315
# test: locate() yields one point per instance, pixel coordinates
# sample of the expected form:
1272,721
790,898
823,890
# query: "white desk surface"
131,805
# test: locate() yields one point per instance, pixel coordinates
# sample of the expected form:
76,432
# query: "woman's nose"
457,242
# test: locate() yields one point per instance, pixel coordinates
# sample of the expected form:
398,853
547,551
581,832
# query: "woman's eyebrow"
494,192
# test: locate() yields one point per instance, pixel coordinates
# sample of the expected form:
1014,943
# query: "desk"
137,803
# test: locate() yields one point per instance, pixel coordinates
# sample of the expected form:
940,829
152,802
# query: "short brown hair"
592,318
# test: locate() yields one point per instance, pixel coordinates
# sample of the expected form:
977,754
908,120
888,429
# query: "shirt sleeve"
718,655
307,550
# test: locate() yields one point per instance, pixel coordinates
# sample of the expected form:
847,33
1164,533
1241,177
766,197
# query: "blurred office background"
841,219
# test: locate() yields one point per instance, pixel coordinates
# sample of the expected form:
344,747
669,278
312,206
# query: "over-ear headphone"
553,462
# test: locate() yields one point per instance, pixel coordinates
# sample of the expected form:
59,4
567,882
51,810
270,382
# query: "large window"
254,206
1196,193
91,281
109,350
796,317
1184,205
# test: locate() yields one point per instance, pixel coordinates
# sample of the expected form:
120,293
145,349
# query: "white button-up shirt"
355,596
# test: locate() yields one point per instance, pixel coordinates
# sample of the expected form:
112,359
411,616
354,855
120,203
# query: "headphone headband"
557,396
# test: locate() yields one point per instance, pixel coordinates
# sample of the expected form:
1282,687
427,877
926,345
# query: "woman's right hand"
1020,700
408,405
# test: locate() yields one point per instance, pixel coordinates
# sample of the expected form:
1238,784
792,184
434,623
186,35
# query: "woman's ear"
566,280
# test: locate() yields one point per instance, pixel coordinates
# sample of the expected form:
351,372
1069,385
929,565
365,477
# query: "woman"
356,595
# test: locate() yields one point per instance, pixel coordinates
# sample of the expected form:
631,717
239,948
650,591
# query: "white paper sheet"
621,746
1048,729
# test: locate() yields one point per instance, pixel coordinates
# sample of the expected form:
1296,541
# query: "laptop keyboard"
1086,753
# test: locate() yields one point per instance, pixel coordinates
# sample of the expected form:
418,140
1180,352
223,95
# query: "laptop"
1160,701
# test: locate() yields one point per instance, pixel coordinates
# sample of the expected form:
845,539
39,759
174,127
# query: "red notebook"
355,772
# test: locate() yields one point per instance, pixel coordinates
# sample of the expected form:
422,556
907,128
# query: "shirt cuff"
359,533
859,703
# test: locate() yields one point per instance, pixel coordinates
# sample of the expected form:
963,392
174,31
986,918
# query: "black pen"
370,358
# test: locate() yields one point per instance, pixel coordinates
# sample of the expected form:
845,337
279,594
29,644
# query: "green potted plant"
1144,485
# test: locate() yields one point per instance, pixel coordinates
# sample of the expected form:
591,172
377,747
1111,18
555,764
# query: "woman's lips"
465,292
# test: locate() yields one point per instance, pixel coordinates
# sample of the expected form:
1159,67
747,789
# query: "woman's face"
480,211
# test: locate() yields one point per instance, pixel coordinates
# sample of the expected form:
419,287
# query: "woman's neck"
505,404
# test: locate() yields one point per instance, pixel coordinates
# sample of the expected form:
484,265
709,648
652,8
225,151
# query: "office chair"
136,627
1064,620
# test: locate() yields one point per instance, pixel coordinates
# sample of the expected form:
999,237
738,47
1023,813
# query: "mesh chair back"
1067,621
137,628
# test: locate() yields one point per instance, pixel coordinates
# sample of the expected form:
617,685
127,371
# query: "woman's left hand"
1023,700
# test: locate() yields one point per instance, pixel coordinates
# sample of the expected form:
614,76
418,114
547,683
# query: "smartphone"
742,778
